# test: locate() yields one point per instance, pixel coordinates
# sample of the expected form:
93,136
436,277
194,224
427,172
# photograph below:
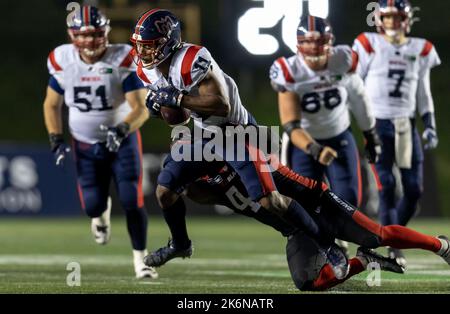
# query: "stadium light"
250,23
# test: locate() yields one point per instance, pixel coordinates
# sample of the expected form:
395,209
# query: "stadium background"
30,30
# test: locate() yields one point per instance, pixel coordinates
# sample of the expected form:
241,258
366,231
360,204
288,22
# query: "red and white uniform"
397,77
325,96
188,67
93,92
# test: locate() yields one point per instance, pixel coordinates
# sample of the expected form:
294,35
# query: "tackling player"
185,75
98,83
310,267
396,71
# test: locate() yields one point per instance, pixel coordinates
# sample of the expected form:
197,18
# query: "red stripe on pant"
358,171
140,191
265,177
396,236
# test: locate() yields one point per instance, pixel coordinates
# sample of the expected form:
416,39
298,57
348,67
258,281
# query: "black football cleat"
166,253
386,263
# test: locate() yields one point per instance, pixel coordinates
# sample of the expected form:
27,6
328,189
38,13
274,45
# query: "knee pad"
94,208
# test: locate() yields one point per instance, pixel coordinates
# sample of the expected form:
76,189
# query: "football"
175,116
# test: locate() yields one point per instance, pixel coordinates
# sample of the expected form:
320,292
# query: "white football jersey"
396,76
93,92
188,67
325,96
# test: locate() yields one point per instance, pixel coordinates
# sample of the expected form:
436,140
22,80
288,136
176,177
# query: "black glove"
372,147
168,96
314,149
59,148
115,135
153,108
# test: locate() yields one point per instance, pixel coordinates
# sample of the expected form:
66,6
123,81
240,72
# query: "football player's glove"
115,135
153,108
429,135
372,147
168,96
431,138
59,148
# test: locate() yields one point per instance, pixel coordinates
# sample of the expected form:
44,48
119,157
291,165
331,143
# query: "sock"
175,217
327,279
398,237
137,227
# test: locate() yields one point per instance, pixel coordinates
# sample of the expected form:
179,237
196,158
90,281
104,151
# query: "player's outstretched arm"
139,112
211,99
52,111
290,116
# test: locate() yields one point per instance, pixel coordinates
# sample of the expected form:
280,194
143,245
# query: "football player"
310,267
185,75
106,101
317,88
396,72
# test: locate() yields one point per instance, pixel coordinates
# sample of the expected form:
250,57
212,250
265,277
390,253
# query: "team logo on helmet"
157,35
164,25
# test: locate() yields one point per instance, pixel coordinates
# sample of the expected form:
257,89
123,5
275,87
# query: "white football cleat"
444,251
101,226
143,271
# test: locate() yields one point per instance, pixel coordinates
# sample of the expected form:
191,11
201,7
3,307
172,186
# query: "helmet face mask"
89,32
90,43
314,41
157,35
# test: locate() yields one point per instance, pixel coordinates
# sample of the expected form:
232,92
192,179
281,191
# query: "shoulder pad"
281,75
60,57
366,42
195,64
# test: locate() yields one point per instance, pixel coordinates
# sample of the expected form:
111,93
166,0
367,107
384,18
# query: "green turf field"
232,255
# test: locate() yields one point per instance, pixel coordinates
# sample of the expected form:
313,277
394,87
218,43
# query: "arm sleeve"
359,103
424,98
53,83
131,83
55,70
365,52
